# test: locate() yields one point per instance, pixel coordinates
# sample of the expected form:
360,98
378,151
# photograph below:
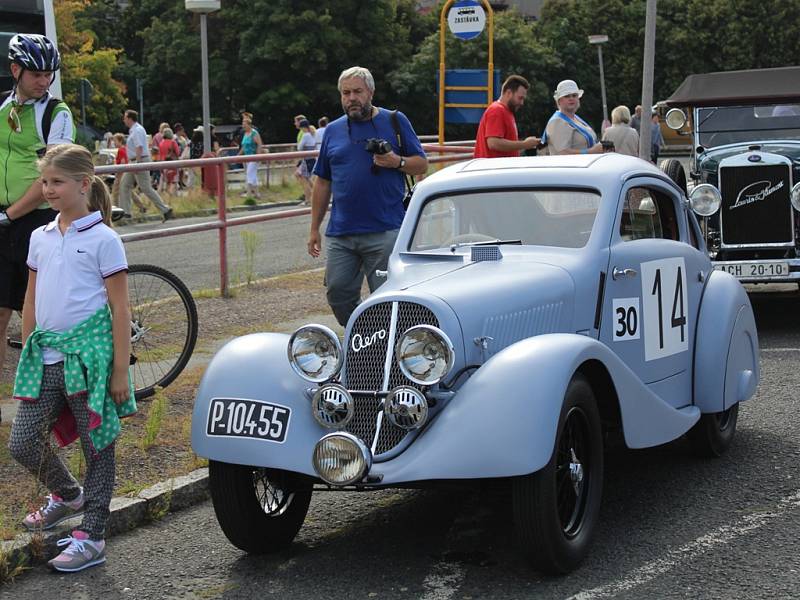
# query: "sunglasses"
13,119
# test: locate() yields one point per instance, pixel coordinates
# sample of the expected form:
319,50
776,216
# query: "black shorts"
14,242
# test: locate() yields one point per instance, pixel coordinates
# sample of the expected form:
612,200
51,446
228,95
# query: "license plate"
760,269
236,417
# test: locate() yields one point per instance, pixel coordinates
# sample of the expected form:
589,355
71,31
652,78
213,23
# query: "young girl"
73,371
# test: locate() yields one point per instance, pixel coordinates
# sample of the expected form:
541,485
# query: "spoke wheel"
556,508
163,327
713,434
259,510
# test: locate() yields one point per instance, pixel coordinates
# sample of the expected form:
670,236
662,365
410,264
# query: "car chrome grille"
365,366
755,205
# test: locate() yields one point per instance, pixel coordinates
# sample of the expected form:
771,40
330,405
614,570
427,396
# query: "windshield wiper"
454,247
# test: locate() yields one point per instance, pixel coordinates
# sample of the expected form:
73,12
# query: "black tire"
555,515
674,170
163,327
713,434
259,510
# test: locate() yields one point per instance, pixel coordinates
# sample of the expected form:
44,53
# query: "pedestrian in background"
656,139
73,369
322,123
137,153
636,119
624,138
251,144
168,149
305,168
497,131
566,132
367,181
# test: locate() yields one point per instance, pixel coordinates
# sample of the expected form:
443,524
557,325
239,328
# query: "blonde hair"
621,114
76,162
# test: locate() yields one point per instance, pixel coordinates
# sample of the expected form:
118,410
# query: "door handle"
619,273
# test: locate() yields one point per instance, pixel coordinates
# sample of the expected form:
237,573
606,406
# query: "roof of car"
731,88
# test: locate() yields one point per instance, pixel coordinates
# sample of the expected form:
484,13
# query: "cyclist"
27,112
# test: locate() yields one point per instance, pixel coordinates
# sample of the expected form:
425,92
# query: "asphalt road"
672,526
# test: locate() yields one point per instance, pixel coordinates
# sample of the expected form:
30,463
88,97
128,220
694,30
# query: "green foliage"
155,419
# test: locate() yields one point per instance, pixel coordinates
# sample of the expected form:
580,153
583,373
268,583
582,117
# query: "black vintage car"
745,168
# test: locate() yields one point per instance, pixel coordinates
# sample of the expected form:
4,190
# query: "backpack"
47,117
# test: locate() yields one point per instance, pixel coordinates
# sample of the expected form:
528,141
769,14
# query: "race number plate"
759,269
236,417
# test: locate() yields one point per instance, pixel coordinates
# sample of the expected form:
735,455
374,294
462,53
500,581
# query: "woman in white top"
625,138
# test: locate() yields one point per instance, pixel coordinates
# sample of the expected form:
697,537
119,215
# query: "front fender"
256,367
502,422
726,358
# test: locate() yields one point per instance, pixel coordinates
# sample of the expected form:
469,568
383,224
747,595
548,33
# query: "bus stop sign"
466,19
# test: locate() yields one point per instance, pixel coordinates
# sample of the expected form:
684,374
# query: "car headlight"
705,200
675,118
796,196
315,353
425,354
406,407
341,459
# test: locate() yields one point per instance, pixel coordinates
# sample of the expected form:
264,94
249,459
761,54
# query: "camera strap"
408,178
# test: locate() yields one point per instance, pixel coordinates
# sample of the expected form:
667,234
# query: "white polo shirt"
70,272
137,138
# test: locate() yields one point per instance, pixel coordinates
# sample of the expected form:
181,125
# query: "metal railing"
218,165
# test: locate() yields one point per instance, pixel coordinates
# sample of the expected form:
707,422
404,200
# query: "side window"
648,214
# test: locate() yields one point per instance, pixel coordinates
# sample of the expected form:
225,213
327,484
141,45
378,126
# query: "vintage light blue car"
531,306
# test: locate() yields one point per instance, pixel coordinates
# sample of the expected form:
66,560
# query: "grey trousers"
350,258
126,189
30,445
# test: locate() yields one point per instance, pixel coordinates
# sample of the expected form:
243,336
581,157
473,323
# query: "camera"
608,146
377,146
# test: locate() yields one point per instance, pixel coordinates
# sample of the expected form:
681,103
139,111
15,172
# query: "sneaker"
167,216
80,553
54,512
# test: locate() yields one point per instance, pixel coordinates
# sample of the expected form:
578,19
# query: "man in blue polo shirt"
368,190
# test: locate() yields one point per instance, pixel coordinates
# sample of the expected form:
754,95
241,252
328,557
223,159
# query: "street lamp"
599,40
204,7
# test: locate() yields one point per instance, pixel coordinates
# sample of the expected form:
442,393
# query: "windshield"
742,124
562,218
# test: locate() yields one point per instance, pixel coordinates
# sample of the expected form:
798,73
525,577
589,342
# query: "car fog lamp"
406,407
315,353
424,354
675,118
705,200
341,459
333,406
796,196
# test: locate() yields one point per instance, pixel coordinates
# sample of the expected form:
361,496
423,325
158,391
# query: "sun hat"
565,88
198,129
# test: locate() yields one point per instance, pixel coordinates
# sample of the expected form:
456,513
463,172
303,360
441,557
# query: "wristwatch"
5,221
402,163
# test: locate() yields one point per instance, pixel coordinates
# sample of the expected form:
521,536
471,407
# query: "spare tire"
674,170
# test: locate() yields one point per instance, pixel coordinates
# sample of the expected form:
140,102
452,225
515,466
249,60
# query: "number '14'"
678,315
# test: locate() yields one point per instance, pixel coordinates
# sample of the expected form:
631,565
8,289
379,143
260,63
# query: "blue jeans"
350,258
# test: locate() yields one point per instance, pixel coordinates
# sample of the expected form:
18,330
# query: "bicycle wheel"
163,327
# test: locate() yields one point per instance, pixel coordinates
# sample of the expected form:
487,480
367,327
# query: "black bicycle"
163,327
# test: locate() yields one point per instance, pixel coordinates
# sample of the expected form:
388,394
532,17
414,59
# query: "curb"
151,504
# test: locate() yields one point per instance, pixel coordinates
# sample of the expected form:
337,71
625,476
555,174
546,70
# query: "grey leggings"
30,446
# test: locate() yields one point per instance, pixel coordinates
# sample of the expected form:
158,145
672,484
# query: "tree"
81,60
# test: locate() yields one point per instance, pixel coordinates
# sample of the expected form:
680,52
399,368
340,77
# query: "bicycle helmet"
34,52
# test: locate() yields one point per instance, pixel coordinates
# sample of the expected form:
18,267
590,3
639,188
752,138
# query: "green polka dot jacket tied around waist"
88,350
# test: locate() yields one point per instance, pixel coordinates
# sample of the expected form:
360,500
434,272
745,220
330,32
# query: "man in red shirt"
497,132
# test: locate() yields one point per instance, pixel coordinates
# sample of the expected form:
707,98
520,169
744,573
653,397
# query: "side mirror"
675,118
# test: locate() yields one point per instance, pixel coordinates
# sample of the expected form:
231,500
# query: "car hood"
708,162
506,300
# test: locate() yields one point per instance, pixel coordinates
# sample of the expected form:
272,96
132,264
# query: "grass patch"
10,567
197,200
155,419
6,390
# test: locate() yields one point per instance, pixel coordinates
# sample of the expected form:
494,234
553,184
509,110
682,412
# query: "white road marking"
721,536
